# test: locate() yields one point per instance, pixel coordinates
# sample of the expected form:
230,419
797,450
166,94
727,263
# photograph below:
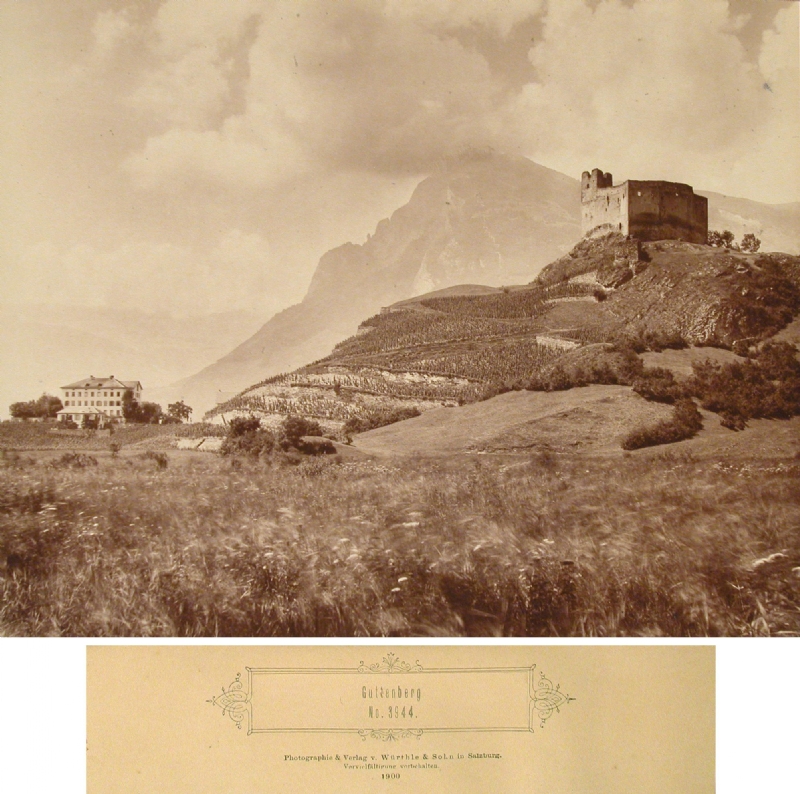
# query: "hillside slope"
590,419
578,324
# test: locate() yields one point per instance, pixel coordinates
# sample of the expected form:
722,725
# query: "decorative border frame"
544,698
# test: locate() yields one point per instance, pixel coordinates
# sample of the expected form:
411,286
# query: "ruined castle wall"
605,210
666,211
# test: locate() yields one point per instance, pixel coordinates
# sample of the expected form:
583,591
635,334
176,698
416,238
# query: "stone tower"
644,210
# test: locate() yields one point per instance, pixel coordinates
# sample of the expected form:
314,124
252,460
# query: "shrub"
765,386
732,421
750,243
722,239
686,421
316,446
293,428
370,421
658,385
242,425
254,443
160,458
74,460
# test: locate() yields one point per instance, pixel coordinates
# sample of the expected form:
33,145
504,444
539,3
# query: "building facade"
97,401
644,210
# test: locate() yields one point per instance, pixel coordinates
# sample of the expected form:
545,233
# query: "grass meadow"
471,545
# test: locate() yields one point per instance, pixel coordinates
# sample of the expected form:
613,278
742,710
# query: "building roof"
103,383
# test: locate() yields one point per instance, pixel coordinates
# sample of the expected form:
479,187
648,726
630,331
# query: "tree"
294,428
721,239
750,243
46,407
140,413
23,410
150,413
130,408
179,411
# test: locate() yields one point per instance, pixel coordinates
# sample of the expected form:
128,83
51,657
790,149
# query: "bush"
722,239
316,446
293,428
581,367
765,386
74,460
255,443
160,458
658,385
732,421
686,421
370,421
750,243
247,437
242,425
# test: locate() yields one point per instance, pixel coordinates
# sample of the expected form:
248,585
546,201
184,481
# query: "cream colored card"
401,719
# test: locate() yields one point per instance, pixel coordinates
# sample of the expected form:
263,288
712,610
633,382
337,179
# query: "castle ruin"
644,210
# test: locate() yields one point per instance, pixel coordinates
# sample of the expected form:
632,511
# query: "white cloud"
499,14
182,25
655,87
775,155
186,92
110,29
234,156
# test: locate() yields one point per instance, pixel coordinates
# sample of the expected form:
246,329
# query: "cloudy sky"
197,156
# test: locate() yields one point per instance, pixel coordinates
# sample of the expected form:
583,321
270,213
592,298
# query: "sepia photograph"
400,318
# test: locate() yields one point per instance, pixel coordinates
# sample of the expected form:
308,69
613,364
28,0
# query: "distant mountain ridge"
484,218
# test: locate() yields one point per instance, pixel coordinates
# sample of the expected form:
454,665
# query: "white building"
98,398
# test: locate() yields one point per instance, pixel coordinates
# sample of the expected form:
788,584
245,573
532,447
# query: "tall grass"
539,546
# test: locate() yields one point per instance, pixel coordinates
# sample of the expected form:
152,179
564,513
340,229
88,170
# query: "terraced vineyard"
423,354
410,329
334,395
